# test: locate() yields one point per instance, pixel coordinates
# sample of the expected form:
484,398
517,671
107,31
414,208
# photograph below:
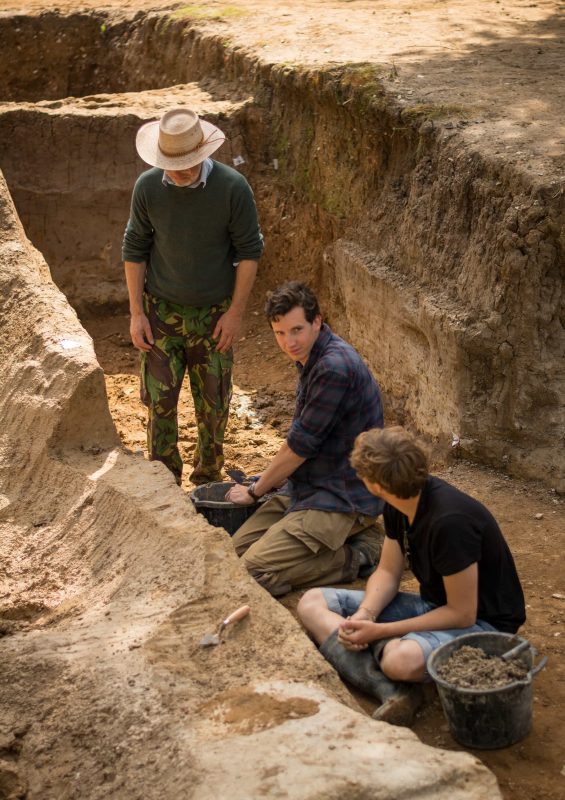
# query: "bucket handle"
538,668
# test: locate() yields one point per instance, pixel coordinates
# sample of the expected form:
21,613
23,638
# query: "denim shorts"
345,602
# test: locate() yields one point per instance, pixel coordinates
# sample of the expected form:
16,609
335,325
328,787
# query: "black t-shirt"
450,532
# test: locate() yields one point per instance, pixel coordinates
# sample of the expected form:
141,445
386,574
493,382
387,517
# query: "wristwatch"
252,494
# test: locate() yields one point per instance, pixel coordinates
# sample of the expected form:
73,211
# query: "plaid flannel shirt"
336,399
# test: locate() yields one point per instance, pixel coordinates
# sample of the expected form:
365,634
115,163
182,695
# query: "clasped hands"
358,631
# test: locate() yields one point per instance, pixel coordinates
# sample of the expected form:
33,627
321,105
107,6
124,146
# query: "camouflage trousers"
183,343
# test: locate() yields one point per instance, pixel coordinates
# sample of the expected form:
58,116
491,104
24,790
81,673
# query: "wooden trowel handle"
236,615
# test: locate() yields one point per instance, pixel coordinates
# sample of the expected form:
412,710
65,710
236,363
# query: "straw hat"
179,140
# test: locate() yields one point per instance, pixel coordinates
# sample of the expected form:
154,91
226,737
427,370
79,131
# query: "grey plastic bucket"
210,501
487,719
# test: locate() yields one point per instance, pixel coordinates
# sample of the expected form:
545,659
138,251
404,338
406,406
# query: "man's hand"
239,494
227,329
357,634
140,332
363,613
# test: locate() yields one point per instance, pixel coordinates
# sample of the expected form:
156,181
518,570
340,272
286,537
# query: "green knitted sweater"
190,238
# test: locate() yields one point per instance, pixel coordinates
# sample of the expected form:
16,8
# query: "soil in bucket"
487,704
472,668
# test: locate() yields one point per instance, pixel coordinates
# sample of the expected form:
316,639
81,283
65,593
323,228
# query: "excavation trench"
441,268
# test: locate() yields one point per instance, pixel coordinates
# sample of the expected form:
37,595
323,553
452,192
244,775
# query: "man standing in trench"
380,639
324,528
190,251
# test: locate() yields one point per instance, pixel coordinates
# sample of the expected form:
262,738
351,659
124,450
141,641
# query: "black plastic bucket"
210,501
486,719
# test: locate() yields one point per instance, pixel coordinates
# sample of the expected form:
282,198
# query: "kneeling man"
379,640
321,527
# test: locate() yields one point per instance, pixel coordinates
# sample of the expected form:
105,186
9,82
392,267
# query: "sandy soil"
531,517
499,66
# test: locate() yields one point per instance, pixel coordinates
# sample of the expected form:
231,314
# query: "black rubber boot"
399,701
366,552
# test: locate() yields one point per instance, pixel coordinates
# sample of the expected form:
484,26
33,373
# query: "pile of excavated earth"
408,161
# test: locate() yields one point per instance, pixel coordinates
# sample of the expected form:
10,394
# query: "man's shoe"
367,570
401,707
201,475
399,701
367,550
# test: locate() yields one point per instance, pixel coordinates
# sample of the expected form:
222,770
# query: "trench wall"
443,267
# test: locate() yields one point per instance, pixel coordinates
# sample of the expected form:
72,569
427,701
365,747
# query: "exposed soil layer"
471,668
420,190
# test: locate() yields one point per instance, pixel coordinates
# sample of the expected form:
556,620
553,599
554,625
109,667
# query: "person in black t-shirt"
468,580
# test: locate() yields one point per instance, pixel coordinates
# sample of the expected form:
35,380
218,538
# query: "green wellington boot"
399,701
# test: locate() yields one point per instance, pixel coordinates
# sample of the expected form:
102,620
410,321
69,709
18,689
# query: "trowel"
237,475
212,639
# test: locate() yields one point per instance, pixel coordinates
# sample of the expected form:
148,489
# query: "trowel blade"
237,475
209,640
